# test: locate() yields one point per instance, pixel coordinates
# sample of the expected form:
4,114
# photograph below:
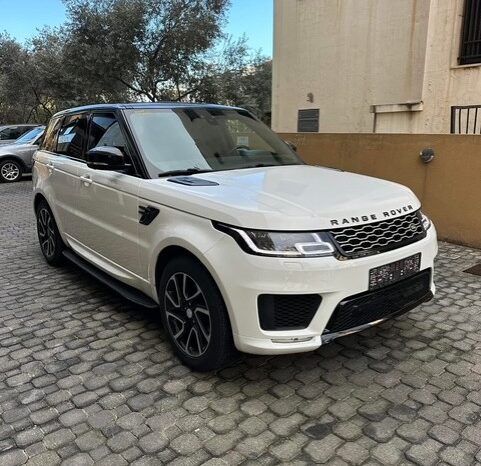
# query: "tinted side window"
105,131
50,138
11,133
5,134
72,136
18,131
24,129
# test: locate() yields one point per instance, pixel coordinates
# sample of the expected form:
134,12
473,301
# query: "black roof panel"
134,105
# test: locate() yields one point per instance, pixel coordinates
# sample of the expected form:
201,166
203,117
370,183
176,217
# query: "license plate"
393,272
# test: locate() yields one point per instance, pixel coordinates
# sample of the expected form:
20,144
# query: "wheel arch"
15,158
173,250
37,199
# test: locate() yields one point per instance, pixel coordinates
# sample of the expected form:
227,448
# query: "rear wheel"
49,237
10,171
194,315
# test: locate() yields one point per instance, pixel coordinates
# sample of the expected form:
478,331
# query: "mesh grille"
287,312
380,304
374,238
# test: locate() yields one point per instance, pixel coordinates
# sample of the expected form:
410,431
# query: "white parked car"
201,211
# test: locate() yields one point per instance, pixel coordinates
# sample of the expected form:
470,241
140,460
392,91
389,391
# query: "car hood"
298,197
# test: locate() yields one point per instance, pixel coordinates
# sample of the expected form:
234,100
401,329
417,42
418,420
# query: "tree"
151,47
233,77
16,101
131,50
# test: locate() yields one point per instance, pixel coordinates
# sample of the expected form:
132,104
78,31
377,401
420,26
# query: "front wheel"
194,316
10,171
49,237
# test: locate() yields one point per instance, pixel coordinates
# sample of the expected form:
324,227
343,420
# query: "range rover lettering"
204,214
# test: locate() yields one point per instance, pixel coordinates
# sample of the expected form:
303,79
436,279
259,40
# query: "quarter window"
50,139
72,136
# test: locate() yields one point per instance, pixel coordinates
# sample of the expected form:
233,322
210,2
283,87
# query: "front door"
107,233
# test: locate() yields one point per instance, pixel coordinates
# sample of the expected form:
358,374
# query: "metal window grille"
471,36
466,119
308,121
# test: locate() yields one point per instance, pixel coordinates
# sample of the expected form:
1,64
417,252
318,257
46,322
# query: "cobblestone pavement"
87,378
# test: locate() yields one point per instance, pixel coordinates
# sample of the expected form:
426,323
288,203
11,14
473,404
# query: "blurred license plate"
393,272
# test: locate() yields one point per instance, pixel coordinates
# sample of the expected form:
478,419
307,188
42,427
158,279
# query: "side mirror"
291,145
105,158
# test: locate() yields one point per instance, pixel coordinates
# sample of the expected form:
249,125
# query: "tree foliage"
131,50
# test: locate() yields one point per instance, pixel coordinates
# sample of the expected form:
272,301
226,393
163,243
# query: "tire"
51,243
196,320
10,171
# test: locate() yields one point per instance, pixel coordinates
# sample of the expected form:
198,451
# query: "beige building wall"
397,58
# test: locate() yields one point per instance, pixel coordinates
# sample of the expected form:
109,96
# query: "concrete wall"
349,54
354,54
449,187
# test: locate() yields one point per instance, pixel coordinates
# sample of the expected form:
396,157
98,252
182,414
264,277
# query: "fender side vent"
147,214
192,181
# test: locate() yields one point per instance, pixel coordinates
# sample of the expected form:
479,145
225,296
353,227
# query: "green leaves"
131,50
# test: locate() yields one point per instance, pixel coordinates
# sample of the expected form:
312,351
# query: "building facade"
384,66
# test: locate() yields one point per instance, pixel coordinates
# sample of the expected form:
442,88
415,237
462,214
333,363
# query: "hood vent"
192,181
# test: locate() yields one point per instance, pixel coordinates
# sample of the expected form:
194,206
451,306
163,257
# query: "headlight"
280,244
426,222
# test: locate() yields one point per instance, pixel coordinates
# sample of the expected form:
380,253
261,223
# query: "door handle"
50,167
86,180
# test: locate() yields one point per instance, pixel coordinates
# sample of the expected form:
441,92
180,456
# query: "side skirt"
126,291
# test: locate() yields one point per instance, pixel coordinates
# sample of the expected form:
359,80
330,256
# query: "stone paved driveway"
87,378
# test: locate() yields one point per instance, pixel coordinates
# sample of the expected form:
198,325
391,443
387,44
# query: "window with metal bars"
466,119
471,37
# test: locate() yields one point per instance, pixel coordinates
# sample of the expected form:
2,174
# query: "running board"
126,291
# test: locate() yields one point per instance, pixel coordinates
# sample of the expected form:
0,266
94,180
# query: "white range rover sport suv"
203,213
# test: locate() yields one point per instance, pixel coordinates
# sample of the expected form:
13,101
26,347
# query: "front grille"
383,303
287,312
377,237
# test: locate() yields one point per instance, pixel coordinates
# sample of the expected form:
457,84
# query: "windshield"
30,135
205,139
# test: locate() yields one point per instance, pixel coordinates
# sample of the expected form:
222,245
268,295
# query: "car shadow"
331,356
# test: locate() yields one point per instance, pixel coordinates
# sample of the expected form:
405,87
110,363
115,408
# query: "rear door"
68,160
57,166
107,232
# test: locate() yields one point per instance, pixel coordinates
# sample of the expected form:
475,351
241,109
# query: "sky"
21,18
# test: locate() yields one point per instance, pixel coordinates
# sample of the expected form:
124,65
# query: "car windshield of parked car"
30,136
205,139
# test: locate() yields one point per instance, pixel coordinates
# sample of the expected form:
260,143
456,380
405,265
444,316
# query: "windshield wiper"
185,171
260,165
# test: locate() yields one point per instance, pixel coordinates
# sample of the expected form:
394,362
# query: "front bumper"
242,278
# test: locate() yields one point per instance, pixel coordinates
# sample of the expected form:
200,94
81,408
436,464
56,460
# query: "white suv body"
278,258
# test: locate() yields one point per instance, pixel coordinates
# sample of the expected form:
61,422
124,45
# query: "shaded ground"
86,377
